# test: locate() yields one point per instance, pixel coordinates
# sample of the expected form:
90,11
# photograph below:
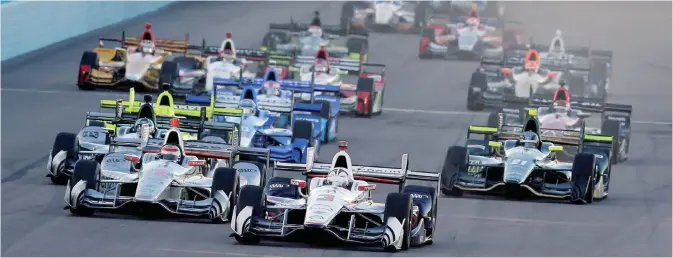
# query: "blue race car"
318,100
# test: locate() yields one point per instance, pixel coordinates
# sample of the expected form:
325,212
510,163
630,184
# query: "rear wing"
491,60
279,60
176,46
343,63
565,137
618,112
487,131
489,21
369,68
384,175
251,54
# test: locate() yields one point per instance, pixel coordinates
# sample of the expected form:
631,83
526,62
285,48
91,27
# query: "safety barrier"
28,26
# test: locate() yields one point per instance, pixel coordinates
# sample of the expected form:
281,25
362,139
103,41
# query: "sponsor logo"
276,186
325,197
420,196
90,134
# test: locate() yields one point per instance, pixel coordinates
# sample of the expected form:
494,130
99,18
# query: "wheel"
493,120
326,113
346,15
583,175
455,162
167,76
365,93
425,198
225,180
400,207
613,128
89,171
250,196
87,64
64,142
302,131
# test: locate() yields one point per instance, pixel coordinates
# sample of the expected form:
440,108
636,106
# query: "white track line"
400,110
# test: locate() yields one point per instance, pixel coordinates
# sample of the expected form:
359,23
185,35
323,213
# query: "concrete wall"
27,26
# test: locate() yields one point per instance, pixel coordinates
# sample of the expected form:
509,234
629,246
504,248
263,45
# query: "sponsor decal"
90,134
325,197
420,196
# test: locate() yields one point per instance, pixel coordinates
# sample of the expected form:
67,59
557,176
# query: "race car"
137,63
366,97
171,175
465,37
302,41
319,101
572,114
456,8
519,161
334,202
385,16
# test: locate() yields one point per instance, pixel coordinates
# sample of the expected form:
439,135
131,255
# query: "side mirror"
366,187
132,158
555,148
196,163
299,183
495,144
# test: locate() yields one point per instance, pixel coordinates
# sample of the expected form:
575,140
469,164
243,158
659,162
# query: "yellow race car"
138,62
165,109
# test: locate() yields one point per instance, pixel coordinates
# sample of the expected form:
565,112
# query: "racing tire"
364,87
427,35
455,162
583,178
167,76
493,120
250,195
421,15
426,210
326,113
614,129
399,206
226,180
89,61
64,142
89,171
303,130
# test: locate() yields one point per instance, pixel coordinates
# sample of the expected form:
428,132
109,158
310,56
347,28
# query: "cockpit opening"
164,100
172,138
322,54
146,111
341,162
248,95
271,75
227,46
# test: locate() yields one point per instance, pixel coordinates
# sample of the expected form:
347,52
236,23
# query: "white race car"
337,201
226,66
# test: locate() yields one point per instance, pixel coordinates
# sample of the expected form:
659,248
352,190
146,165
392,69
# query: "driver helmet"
315,31
321,66
170,153
248,106
146,47
340,177
561,106
530,139
272,88
472,22
137,127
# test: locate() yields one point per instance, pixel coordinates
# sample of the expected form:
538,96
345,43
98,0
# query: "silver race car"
337,205
197,178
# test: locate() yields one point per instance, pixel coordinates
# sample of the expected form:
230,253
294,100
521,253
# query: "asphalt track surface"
39,99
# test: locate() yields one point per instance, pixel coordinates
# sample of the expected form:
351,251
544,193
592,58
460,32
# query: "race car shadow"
520,197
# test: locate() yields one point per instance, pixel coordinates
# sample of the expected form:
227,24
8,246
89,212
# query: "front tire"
225,180
398,206
583,178
88,171
455,162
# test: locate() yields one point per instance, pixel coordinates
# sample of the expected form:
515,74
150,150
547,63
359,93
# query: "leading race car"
530,160
138,62
336,204
198,178
388,16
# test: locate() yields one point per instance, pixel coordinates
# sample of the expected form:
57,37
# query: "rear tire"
90,59
89,171
399,206
64,142
455,162
226,180
167,76
493,120
583,175
614,129
365,85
